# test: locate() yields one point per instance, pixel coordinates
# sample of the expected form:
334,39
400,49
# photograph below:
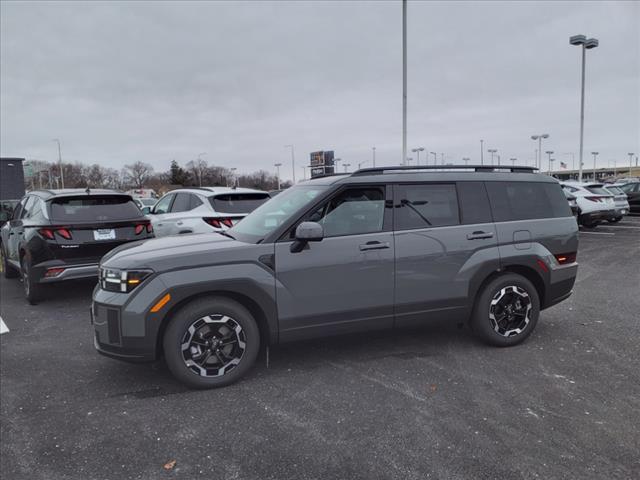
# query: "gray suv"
377,249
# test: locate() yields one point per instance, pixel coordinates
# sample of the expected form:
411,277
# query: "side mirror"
307,232
146,210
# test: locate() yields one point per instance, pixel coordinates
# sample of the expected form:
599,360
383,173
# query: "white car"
594,202
145,204
620,200
203,209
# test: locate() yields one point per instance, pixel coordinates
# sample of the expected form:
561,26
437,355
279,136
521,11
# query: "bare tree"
138,173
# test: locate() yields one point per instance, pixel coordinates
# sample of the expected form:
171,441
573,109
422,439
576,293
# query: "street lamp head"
595,153
277,164
549,152
545,135
631,154
577,40
534,137
591,43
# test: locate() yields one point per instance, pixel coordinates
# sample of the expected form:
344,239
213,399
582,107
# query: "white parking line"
619,226
596,233
3,327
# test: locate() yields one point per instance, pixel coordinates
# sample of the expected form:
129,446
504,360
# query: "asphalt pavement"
425,403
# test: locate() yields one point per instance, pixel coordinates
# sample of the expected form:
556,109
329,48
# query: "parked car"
632,190
594,202
573,204
620,201
203,209
6,210
145,204
57,235
377,249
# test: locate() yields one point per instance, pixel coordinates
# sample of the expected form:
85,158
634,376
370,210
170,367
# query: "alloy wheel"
510,310
213,345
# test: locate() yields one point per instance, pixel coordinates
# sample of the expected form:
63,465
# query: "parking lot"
427,403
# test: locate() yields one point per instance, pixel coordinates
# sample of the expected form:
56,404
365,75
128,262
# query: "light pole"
548,152
595,155
409,160
346,166
335,163
233,175
513,161
304,172
442,158
293,162
362,163
60,162
278,165
435,158
417,151
404,81
539,156
465,160
373,149
481,152
492,151
631,154
551,160
586,44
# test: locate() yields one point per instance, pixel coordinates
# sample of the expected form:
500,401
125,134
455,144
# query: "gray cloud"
126,81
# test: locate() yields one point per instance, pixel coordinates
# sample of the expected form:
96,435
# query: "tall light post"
346,166
631,154
466,160
404,81
200,167
435,158
417,151
492,151
362,163
595,155
278,165
539,139
373,149
548,152
442,158
513,161
293,162
304,172
60,162
586,44
335,164
481,152
551,160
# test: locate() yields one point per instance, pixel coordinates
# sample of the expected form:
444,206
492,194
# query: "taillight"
64,233
214,222
46,233
228,222
565,258
149,228
53,272
139,228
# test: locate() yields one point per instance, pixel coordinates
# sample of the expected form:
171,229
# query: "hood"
167,253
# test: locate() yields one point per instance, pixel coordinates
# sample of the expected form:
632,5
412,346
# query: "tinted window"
614,190
474,203
598,190
238,202
181,203
353,211
526,200
28,207
427,205
629,187
93,208
163,205
195,202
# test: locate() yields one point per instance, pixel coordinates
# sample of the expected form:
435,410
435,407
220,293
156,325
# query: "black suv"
380,248
56,235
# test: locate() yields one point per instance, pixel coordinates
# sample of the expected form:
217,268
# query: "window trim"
397,199
387,221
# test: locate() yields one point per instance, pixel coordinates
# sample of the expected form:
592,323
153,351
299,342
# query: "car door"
184,218
343,283
161,214
16,230
443,232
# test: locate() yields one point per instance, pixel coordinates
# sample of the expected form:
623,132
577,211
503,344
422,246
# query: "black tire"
8,270
487,318
33,291
589,223
614,220
206,315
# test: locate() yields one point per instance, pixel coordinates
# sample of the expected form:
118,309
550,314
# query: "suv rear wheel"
506,310
33,291
211,342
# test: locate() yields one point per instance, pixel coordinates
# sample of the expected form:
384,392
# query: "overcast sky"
124,81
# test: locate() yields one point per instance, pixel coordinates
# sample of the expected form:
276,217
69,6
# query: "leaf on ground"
434,387
170,465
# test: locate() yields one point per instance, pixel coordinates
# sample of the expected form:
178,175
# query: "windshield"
269,216
93,208
614,190
238,202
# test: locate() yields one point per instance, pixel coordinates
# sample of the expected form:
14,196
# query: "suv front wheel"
211,342
506,311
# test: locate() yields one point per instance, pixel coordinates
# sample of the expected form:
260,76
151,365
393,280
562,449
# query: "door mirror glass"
309,232
146,211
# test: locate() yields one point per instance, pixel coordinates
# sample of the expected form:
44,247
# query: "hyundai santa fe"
377,249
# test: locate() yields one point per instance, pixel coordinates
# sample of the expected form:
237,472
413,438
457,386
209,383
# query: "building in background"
11,178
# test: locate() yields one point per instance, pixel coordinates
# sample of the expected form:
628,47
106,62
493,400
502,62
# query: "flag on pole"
563,165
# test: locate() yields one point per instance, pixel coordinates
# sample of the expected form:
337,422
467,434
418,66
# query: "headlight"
114,280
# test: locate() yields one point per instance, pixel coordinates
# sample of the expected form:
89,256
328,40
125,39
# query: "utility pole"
595,155
481,152
60,162
404,81
374,156
278,165
293,162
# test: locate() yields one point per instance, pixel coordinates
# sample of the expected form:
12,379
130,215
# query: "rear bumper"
72,272
598,215
561,281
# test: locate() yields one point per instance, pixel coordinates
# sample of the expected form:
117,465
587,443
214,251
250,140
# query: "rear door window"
181,203
474,203
93,208
526,201
426,205
238,202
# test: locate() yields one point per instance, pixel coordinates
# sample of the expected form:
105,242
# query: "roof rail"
477,168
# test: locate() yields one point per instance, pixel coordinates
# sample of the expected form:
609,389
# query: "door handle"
374,245
179,222
479,235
